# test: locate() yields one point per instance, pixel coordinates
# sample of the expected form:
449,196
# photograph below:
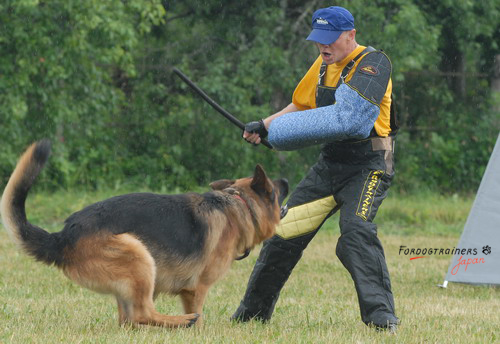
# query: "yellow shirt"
304,96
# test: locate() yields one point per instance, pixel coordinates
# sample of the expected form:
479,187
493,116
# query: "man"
344,103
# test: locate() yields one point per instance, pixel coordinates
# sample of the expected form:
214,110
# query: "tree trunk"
495,83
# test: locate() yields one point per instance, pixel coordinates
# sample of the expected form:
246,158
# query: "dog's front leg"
193,300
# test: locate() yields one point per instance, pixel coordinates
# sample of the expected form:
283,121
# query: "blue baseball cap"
329,23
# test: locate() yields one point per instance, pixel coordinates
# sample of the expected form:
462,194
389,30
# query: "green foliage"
58,63
397,27
94,76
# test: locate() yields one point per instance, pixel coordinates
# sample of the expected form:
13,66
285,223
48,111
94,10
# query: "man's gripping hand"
257,127
255,131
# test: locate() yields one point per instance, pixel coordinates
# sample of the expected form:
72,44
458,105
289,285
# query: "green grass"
318,304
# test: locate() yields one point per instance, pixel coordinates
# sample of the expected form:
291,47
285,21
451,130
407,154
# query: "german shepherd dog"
138,245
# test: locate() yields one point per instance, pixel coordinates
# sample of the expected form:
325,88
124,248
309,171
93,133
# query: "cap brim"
323,36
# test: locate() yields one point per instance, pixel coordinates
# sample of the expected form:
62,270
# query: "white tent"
481,233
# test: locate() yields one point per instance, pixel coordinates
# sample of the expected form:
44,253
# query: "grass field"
318,304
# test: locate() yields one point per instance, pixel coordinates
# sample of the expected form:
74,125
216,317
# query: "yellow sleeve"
304,96
383,122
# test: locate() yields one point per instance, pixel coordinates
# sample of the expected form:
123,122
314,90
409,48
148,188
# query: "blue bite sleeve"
351,117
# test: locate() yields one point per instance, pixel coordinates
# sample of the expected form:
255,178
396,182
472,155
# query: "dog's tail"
33,240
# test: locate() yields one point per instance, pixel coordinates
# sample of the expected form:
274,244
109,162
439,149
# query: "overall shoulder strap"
322,73
351,64
345,71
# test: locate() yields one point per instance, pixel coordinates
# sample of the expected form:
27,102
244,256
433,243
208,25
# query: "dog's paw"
193,320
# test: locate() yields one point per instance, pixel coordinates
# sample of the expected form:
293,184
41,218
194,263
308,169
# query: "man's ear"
352,34
260,182
221,184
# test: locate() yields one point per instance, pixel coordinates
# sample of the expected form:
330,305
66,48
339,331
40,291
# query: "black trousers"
350,177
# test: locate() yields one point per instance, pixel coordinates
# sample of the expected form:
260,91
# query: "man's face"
338,50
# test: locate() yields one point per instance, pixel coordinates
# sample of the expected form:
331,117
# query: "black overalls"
352,177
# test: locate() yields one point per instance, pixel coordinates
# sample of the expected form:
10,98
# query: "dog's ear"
221,184
260,182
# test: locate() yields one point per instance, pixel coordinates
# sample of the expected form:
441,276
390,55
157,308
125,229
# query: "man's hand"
255,131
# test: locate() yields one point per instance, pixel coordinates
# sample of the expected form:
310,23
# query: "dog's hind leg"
121,265
141,311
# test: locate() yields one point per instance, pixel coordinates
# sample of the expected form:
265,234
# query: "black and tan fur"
136,246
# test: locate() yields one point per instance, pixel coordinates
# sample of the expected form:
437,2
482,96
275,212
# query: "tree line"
95,77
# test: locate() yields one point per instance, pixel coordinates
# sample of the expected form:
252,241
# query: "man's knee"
356,237
276,249
351,224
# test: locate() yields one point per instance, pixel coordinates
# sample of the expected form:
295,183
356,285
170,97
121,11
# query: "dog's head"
262,195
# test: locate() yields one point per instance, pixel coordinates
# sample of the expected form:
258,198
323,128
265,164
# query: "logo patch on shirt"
321,21
370,70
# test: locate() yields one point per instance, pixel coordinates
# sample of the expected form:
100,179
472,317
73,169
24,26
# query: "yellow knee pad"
305,218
